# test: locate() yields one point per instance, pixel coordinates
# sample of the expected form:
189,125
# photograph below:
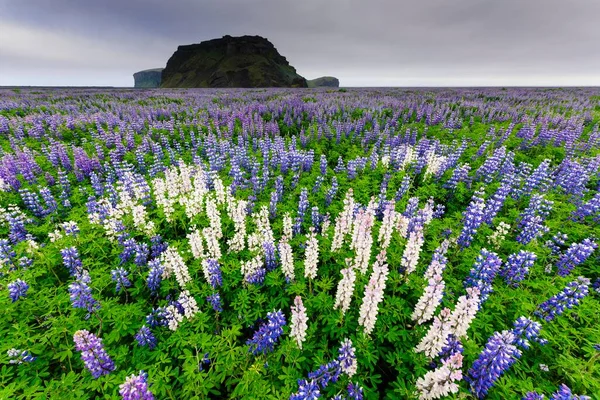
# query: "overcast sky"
362,42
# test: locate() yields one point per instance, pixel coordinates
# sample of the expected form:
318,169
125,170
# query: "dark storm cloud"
377,42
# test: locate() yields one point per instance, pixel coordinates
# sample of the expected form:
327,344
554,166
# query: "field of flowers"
300,244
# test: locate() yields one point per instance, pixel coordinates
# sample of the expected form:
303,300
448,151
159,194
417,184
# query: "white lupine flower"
251,267
192,203
437,336
343,222
212,243
345,289
402,225
173,316
441,381
362,238
409,156
196,244
326,224
287,259
311,255
464,312
221,194
190,307
412,251
431,298
4,187
434,162
287,225
237,212
165,203
56,235
32,245
497,237
174,264
438,261
263,232
387,226
214,217
299,322
373,294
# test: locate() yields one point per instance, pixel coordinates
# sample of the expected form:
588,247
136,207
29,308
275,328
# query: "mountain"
244,61
149,78
324,81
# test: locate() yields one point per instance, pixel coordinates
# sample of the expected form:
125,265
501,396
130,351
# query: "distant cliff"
324,81
149,78
245,61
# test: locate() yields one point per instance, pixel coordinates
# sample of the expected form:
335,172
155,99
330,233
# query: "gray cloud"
379,42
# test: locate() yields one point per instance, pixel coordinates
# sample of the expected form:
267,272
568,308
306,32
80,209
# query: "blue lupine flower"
214,273
499,354
483,273
17,289
155,272
517,266
472,219
71,260
81,294
526,329
575,255
268,334
564,393
119,276
568,298
19,356
215,301
93,355
145,337
307,390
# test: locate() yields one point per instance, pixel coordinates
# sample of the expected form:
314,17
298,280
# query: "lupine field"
300,244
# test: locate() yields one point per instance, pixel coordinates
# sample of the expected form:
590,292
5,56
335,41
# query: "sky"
361,42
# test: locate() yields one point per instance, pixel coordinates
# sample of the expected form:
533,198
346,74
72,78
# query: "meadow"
300,243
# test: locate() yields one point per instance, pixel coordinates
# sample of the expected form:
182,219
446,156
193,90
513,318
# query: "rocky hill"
244,61
324,81
149,78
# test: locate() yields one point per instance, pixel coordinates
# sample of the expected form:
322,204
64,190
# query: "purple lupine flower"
307,390
453,346
93,355
472,219
71,260
591,208
135,387
129,248
157,247
331,192
483,273
215,301
531,221
557,242
268,334
205,361
119,276
460,174
355,392
347,358
155,272
497,200
302,208
499,354
525,330
570,296
19,356
323,164
7,254
32,202
538,178
158,317
564,393
17,289
273,206
326,373
81,294
517,266
145,337
25,262
214,272
533,396
575,255
141,254
270,258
